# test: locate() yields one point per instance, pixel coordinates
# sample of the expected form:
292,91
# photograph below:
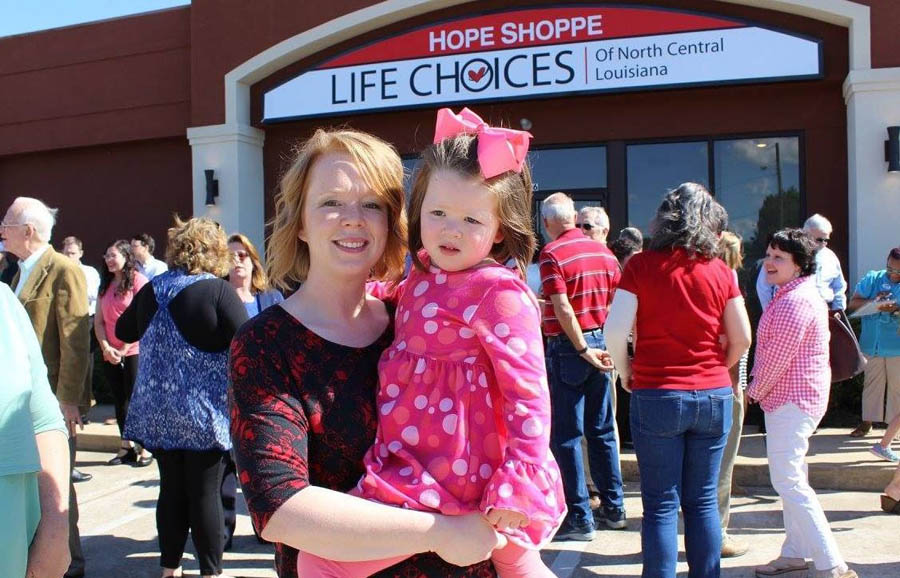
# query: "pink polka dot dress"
463,403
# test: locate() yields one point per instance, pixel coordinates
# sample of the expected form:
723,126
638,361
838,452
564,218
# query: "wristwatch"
582,351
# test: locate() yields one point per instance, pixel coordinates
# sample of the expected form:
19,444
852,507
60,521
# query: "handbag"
847,360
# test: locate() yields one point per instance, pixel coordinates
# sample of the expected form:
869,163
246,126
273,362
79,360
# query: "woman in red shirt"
680,299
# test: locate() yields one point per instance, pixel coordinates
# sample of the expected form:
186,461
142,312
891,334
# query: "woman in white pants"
791,382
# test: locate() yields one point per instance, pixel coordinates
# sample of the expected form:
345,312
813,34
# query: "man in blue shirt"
880,342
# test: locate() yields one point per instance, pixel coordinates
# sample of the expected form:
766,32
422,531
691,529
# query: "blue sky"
20,16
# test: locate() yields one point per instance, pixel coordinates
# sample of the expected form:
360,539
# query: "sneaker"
837,572
732,548
885,453
614,519
581,532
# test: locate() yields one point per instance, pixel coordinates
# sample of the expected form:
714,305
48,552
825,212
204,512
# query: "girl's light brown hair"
730,250
197,245
287,257
513,191
259,282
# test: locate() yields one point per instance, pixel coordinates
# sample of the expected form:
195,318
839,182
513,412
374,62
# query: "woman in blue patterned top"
185,319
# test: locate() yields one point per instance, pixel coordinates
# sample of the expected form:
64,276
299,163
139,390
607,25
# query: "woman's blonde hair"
513,191
259,282
197,245
287,258
730,250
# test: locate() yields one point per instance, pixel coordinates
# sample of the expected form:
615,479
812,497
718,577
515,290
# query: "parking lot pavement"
118,527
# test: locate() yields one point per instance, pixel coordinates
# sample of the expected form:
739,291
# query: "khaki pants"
882,375
728,458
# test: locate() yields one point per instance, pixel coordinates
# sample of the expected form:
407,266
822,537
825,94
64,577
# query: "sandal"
862,430
784,567
890,505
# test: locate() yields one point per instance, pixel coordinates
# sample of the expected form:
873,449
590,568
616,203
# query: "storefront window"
579,172
758,183
568,169
654,169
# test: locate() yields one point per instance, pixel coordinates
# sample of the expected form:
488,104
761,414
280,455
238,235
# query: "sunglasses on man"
585,226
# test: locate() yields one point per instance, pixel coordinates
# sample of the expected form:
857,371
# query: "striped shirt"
792,361
586,272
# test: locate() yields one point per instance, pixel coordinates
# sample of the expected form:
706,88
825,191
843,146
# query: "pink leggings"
513,561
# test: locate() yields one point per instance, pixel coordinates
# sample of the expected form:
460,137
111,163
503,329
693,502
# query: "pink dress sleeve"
507,324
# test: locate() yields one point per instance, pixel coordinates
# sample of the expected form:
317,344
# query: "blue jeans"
679,437
581,405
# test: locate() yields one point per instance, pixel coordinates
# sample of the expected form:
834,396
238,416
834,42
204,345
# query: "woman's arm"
270,431
110,353
323,522
619,323
737,330
48,555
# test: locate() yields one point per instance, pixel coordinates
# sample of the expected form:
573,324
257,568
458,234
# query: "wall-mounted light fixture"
212,187
525,123
892,149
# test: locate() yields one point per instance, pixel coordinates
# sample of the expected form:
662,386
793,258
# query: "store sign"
543,53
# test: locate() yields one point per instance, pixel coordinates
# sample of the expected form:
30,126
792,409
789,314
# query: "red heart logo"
476,75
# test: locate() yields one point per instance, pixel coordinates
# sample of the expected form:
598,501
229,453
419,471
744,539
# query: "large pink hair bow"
499,149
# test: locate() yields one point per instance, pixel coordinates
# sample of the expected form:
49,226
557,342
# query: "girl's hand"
467,539
502,519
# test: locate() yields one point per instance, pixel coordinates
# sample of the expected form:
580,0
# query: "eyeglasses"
892,271
585,226
8,226
823,240
240,255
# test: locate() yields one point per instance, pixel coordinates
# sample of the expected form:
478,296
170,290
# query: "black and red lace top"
303,413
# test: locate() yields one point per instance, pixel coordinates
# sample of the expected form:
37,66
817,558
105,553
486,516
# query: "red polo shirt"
586,272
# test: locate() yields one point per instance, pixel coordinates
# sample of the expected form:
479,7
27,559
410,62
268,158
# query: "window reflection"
654,169
569,168
758,183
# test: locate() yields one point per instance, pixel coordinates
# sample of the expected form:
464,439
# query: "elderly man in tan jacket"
53,290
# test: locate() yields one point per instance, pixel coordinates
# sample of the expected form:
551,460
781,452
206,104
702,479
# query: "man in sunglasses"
829,276
594,223
880,342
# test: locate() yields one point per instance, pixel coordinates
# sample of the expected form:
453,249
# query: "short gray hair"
38,215
819,222
595,215
558,207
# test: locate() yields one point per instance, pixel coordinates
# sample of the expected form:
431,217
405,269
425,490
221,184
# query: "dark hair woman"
185,319
119,283
681,299
791,381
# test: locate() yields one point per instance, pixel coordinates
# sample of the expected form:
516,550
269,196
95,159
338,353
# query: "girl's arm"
48,554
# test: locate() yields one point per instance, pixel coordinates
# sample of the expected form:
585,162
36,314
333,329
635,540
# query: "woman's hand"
467,539
503,519
111,355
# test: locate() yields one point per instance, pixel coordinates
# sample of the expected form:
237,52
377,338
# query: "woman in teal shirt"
34,454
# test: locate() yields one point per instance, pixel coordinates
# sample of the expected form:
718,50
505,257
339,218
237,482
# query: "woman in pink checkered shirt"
791,381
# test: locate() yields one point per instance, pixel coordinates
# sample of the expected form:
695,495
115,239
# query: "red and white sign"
541,53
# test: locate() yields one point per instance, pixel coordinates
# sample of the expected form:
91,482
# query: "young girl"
464,409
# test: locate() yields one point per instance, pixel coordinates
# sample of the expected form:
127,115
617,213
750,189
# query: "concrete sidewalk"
836,461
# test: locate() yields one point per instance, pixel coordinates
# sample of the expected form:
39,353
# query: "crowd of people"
410,375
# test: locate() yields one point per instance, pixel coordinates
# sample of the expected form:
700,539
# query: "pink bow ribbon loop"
499,149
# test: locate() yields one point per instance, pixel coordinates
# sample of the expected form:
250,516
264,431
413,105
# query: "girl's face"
344,220
780,267
241,264
459,221
114,258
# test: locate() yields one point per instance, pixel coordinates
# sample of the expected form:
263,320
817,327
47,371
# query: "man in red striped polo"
578,278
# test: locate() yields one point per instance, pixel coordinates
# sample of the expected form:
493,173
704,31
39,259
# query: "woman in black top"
185,319
304,373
